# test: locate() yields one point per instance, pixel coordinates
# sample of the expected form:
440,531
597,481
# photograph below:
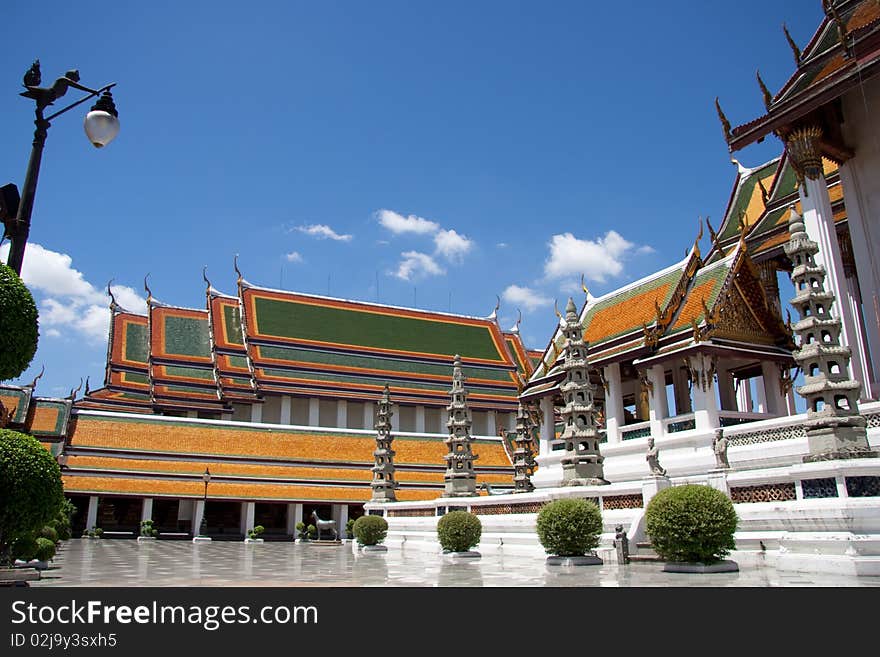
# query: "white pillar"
772,389
743,396
314,411
341,413
198,513
292,519
703,391
285,410
395,420
247,517
819,222
865,240
760,395
491,424
369,420
548,428
92,513
256,413
613,403
342,519
726,392
147,509
657,399
420,419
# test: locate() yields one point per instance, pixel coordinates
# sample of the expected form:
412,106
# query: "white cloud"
397,223
452,245
293,256
525,297
322,231
644,250
69,305
416,265
501,245
596,259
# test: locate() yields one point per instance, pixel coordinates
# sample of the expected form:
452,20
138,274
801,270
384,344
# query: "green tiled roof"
742,198
186,336
137,347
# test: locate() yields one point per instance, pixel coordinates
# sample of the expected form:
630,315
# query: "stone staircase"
643,552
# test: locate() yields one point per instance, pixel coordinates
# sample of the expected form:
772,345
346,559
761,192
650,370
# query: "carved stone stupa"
460,478
582,462
523,453
383,483
835,428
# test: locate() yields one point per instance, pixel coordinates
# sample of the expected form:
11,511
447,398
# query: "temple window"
806,311
818,405
841,402
820,309
826,336
833,368
814,369
810,338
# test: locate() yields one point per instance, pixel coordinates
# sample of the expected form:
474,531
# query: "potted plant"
148,531
44,553
349,529
569,530
313,532
692,528
459,532
94,532
370,531
302,532
253,535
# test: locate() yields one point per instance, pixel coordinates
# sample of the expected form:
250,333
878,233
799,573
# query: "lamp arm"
92,94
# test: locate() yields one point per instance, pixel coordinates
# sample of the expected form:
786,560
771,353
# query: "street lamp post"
203,529
101,126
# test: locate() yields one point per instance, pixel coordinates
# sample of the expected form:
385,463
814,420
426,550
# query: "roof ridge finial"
834,15
765,92
148,291
765,196
494,313
725,124
793,45
73,391
712,234
515,327
237,270
113,304
556,309
584,288
88,390
205,277
33,384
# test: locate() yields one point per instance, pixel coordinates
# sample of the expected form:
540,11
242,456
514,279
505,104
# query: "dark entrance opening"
224,520
165,517
119,514
273,518
78,521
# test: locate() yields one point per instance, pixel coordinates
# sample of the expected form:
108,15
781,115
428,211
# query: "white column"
343,519
256,413
548,428
491,424
866,250
285,410
92,513
247,517
772,390
790,404
147,509
198,513
420,419
341,413
743,396
761,395
292,519
726,391
657,399
314,411
395,420
819,222
613,403
705,406
369,420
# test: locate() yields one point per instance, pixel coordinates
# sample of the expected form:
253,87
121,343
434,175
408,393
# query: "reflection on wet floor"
182,563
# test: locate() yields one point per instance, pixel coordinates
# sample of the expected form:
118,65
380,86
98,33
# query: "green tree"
18,325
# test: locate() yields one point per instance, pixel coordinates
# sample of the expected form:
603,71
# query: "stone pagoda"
835,428
582,462
460,478
523,454
383,483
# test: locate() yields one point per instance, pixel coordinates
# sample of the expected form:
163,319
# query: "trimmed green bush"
148,529
313,531
19,330
49,532
570,527
302,530
691,523
459,531
370,530
256,531
24,547
349,528
45,549
30,487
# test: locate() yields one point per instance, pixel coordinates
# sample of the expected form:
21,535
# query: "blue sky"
444,151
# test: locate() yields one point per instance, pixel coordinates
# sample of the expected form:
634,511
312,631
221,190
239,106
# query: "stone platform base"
725,566
254,540
201,539
325,543
842,553
470,554
144,539
375,548
587,560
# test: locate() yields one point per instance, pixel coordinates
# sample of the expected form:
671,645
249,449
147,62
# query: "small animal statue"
325,524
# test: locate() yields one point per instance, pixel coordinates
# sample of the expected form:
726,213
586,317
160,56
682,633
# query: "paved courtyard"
182,563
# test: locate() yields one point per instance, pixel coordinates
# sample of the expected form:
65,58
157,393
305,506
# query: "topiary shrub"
370,530
18,325
256,532
459,531
148,529
45,549
569,528
61,523
691,523
313,532
24,547
49,532
30,487
349,528
302,531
